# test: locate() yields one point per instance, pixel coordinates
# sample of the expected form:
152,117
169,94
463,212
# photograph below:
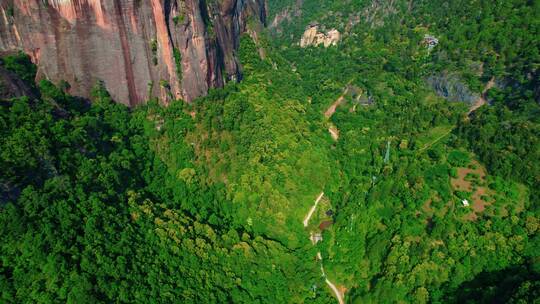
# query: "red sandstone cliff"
138,48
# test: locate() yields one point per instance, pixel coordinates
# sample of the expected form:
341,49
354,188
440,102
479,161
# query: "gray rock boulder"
452,88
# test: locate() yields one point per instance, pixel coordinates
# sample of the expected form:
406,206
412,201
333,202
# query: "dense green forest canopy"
423,202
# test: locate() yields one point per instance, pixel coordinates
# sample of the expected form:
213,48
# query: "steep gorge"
140,49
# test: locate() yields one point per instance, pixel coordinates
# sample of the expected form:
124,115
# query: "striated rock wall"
138,48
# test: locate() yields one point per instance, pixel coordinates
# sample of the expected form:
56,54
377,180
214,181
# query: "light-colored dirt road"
312,210
482,100
332,109
334,132
336,291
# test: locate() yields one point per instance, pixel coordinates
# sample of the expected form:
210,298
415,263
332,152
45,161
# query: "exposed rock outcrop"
287,15
312,37
12,86
139,49
452,88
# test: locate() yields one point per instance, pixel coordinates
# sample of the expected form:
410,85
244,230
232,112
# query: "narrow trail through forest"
334,131
312,210
482,100
436,140
336,291
308,216
332,109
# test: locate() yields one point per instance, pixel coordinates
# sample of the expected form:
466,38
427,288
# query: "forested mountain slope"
370,170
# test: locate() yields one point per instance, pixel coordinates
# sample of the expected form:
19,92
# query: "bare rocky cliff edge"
171,49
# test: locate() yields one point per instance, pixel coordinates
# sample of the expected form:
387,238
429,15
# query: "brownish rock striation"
139,48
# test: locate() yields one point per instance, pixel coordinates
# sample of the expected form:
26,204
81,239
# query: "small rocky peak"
313,37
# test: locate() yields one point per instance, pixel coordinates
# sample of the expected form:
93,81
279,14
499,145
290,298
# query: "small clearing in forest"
473,180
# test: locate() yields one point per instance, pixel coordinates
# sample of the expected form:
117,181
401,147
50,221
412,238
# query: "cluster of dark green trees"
204,202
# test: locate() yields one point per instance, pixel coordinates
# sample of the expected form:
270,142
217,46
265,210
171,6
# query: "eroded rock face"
287,15
12,86
452,88
138,48
312,37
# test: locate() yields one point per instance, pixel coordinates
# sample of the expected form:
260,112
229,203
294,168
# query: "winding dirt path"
332,109
308,216
336,291
312,210
482,100
334,131
436,140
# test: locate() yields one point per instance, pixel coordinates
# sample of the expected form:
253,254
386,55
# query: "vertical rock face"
138,48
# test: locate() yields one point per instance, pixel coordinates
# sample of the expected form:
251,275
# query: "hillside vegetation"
420,201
